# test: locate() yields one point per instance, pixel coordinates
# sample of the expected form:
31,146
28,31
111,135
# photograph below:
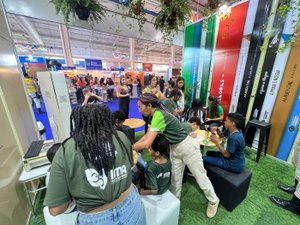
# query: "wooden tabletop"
204,138
134,122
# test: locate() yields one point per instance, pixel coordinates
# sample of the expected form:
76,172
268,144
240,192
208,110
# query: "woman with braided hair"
93,167
184,150
215,113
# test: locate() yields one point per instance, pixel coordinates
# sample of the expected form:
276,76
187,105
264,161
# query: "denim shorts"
131,211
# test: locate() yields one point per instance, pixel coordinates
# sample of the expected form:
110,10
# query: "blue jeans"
215,159
130,211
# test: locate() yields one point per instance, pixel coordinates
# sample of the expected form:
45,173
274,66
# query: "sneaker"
212,209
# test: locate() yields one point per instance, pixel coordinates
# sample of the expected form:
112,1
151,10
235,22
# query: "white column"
132,53
171,57
64,35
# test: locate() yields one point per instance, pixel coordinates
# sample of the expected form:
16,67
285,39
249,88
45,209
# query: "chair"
264,134
62,219
231,188
161,209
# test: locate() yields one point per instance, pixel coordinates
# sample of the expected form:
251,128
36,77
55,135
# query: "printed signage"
93,64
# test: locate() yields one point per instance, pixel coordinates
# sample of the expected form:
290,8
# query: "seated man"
231,157
157,179
90,97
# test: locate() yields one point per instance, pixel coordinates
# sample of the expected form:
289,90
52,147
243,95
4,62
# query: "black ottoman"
230,187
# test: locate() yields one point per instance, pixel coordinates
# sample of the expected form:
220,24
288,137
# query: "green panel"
207,58
188,54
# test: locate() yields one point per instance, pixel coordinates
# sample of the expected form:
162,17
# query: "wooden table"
134,123
204,139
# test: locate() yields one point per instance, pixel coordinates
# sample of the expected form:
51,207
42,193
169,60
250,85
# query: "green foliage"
188,98
137,11
65,7
172,17
292,7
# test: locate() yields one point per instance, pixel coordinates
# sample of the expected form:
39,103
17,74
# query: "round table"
204,139
134,123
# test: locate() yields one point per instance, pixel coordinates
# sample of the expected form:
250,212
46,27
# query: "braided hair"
92,128
213,111
150,98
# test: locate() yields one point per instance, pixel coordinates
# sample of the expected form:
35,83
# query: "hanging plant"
171,18
213,4
294,9
167,2
83,9
136,10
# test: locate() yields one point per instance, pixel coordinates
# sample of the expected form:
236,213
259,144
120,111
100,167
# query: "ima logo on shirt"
95,179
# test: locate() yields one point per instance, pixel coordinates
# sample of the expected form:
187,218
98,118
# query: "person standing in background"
97,89
123,94
162,84
80,84
103,85
110,90
169,87
139,86
129,83
154,89
32,92
180,85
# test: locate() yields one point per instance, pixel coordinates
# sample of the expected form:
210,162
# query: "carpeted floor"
256,209
113,105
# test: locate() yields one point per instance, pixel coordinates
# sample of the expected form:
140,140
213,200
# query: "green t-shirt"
158,177
211,116
72,178
170,105
187,127
168,126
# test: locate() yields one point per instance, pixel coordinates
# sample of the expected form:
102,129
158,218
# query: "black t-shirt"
93,100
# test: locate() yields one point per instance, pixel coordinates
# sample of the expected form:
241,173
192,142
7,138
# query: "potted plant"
136,10
172,17
84,9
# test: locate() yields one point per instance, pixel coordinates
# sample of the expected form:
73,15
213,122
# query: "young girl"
154,89
196,111
171,103
169,88
157,179
180,85
215,113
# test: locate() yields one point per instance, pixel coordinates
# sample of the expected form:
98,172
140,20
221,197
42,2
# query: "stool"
231,188
264,129
62,219
161,209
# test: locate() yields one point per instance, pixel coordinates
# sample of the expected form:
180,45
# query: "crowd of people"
100,167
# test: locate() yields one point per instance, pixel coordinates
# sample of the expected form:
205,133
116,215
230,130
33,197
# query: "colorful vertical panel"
227,53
